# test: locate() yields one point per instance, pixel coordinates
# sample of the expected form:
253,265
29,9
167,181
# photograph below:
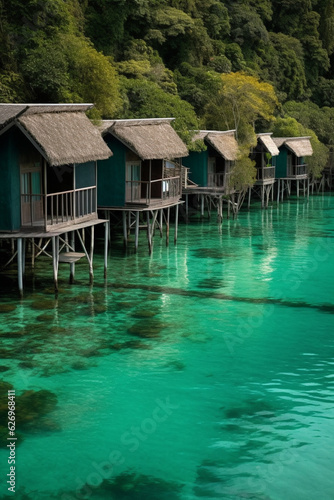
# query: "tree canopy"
211,63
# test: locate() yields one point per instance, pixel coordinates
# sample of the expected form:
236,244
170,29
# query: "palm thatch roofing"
268,143
300,146
9,112
62,133
149,138
223,142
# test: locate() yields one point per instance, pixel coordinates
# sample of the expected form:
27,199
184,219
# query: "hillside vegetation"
244,64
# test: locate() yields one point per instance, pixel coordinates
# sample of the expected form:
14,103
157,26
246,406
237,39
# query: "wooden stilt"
32,253
278,189
187,206
308,187
297,188
202,205
129,223
106,241
91,256
149,236
24,256
220,209
176,222
72,264
55,246
137,231
167,226
249,197
161,221
125,231
262,196
228,207
19,265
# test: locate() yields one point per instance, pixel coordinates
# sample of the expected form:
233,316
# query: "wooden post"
55,246
308,187
176,222
228,207
161,221
19,266
187,205
262,196
106,241
125,232
278,189
297,188
149,237
249,197
23,256
72,264
202,205
33,252
220,209
137,231
167,227
91,256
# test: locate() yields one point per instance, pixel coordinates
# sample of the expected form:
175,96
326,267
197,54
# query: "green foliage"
286,66
145,99
243,174
11,87
198,86
242,100
92,77
45,70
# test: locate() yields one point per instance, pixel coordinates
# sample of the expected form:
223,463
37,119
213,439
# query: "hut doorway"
133,184
212,172
31,195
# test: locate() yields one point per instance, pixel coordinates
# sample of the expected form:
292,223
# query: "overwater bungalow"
291,165
264,154
142,179
209,170
48,156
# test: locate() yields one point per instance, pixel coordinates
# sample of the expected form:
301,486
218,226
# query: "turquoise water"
202,372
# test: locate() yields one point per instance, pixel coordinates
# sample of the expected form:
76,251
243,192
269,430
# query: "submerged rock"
132,486
7,308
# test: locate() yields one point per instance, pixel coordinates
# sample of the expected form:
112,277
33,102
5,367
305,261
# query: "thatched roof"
149,138
268,143
65,138
9,112
223,142
300,146
62,132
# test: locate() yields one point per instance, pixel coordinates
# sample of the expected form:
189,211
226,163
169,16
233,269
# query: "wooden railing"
59,208
219,180
141,191
265,173
295,170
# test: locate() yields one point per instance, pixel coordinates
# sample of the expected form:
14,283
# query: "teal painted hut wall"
85,175
197,162
281,163
111,176
10,202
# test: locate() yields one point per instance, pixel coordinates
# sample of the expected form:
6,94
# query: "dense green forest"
244,64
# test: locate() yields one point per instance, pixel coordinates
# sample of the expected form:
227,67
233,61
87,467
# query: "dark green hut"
291,161
48,157
145,169
210,169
